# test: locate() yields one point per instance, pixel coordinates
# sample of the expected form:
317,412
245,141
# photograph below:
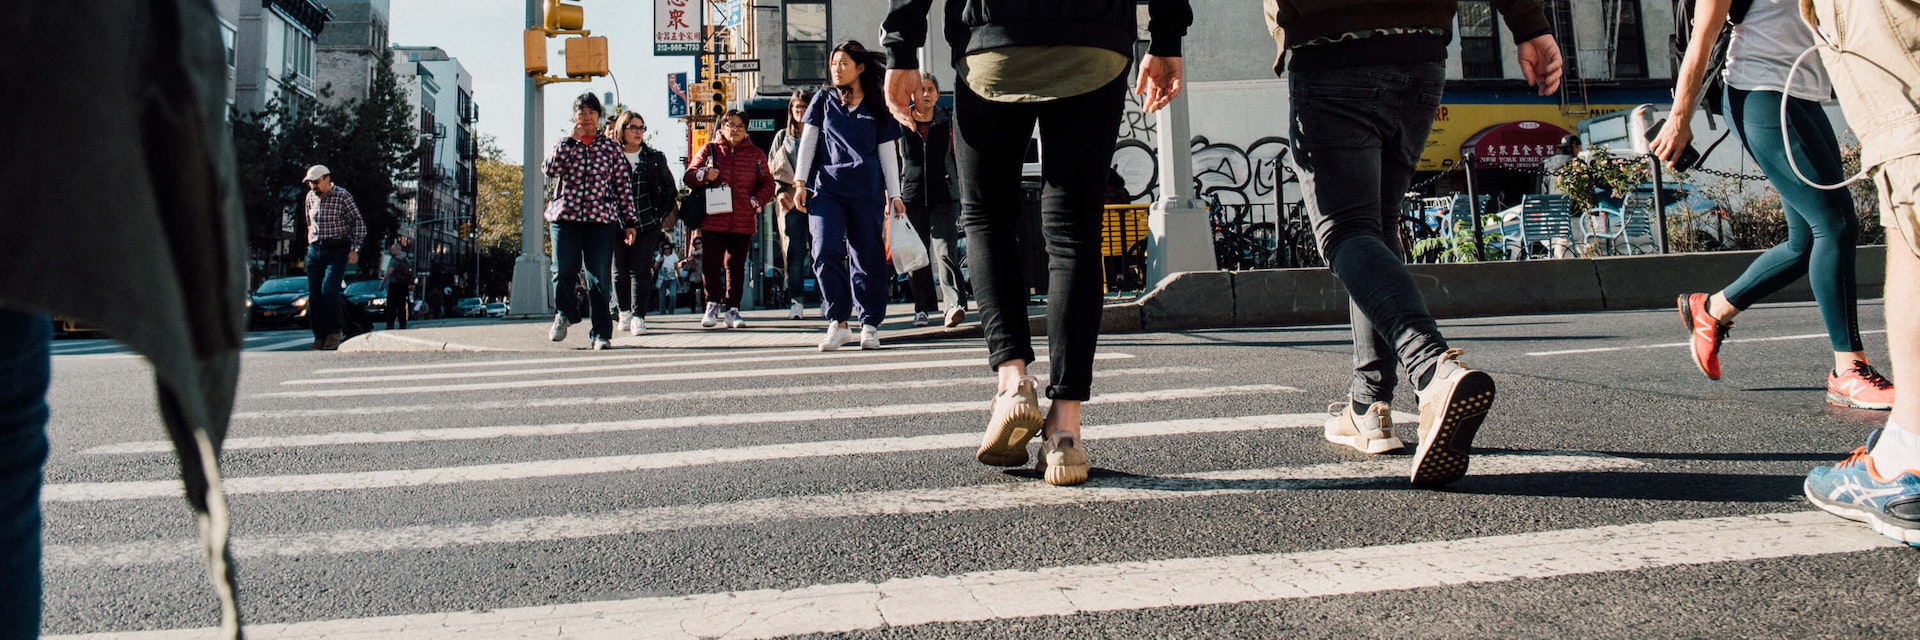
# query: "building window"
297,58
229,36
1627,43
806,52
1479,40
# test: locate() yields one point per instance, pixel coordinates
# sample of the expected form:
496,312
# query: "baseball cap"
314,172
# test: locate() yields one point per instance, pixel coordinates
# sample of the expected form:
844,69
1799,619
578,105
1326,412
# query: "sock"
1897,450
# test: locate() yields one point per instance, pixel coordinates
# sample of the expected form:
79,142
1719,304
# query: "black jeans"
633,266
935,222
990,139
723,269
398,306
799,248
1357,136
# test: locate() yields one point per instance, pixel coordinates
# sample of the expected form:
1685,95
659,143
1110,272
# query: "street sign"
676,27
762,125
677,95
739,66
699,92
742,65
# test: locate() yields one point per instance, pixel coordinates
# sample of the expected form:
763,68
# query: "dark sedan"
278,302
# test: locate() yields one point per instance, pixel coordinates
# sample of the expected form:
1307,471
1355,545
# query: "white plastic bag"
904,247
720,199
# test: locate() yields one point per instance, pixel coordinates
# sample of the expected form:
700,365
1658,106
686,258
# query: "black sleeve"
905,30
663,185
1167,22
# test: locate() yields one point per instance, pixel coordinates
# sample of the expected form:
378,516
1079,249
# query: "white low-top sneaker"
637,327
837,334
869,336
559,330
712,316
796,310
734,321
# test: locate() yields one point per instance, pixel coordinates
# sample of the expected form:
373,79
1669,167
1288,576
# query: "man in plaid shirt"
334,234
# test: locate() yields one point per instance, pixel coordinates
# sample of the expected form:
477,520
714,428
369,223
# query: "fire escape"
1573,87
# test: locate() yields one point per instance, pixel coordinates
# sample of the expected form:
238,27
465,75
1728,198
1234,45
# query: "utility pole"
1179,233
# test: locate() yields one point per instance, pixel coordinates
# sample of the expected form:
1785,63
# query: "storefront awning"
1521,144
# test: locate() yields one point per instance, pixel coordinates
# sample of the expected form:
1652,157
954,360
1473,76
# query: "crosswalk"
440,476
106,347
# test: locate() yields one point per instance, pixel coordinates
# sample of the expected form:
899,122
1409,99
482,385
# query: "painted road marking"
676,422
593,356
1675,345
836,370
590,366
346,481
1121,586
993,497
714,394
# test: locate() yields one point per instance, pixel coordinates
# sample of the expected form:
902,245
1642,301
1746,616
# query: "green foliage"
1459,246
1585,179
369,146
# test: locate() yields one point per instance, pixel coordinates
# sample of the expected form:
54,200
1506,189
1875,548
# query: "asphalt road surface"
1614,492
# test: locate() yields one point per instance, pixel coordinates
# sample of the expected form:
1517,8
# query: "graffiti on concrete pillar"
1256,174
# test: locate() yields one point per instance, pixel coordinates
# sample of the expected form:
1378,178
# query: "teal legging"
1822,227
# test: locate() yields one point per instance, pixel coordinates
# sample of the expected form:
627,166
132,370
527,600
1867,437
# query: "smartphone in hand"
1688,156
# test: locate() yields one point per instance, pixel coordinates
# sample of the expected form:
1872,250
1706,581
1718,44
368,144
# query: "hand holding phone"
1688,156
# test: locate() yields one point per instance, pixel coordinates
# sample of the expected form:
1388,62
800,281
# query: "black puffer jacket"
979,25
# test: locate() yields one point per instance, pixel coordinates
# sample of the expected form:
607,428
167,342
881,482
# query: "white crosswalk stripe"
255,342
415,432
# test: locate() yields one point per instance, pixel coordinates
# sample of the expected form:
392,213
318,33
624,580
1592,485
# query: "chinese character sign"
676,95
676,27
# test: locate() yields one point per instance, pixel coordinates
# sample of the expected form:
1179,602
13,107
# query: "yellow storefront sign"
1454,123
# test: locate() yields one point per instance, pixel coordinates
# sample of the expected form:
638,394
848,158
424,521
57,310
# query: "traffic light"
586,56
466,229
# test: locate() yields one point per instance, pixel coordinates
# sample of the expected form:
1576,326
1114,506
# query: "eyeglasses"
634,127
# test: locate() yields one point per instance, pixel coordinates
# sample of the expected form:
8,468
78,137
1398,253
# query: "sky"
485,35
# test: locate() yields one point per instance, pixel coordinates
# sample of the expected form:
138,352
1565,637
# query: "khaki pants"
1873,72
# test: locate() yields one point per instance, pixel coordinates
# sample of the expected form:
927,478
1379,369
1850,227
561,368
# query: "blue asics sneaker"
1855,490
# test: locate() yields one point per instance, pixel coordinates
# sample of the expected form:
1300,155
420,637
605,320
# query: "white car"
496,309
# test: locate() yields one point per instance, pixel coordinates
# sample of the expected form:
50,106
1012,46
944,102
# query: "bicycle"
1239,244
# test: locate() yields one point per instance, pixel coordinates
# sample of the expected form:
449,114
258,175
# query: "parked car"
496,309
362,293
278,302
469,308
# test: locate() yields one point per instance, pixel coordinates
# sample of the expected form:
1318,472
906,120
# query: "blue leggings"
1822,227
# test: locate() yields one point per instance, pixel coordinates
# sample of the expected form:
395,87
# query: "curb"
1277,297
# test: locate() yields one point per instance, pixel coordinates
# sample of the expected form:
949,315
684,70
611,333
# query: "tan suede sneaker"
1016,418
1062,461
1369,433
1452,407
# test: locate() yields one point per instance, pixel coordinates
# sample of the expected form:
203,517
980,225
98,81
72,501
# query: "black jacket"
927,173
979,25
661,187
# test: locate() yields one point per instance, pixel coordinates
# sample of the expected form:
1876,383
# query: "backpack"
1713,87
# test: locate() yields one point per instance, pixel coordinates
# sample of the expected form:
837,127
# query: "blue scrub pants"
850,226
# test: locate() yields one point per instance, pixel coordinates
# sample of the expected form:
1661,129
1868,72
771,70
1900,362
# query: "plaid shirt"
594,185
334,217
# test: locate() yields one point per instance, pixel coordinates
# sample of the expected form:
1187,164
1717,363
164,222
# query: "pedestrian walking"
689,268
1365,86
399,283
1870,54
795,240
927,172
591,213
122,212
667,277
1822,228
726,237
655,201
334,233
1062,66
847,181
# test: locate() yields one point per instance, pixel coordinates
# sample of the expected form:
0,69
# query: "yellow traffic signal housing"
561,16
586,57
536,51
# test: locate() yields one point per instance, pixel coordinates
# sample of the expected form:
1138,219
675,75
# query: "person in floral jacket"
733,161
592,209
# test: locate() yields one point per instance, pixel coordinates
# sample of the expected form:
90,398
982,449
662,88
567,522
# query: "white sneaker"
796,310
559,330
869,336
734,321
920,319
837,334
712,317
602,344
637,327
626,320
955,316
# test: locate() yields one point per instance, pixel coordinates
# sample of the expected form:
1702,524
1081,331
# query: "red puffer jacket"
745,169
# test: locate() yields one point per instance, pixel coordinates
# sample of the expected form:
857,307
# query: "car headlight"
377,301
301,303
249,303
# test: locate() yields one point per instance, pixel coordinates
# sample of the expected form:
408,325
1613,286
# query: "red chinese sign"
676,27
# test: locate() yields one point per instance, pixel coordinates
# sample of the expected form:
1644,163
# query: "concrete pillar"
1179,234
532,277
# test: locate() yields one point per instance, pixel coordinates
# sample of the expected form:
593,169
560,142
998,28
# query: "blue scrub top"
849,162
